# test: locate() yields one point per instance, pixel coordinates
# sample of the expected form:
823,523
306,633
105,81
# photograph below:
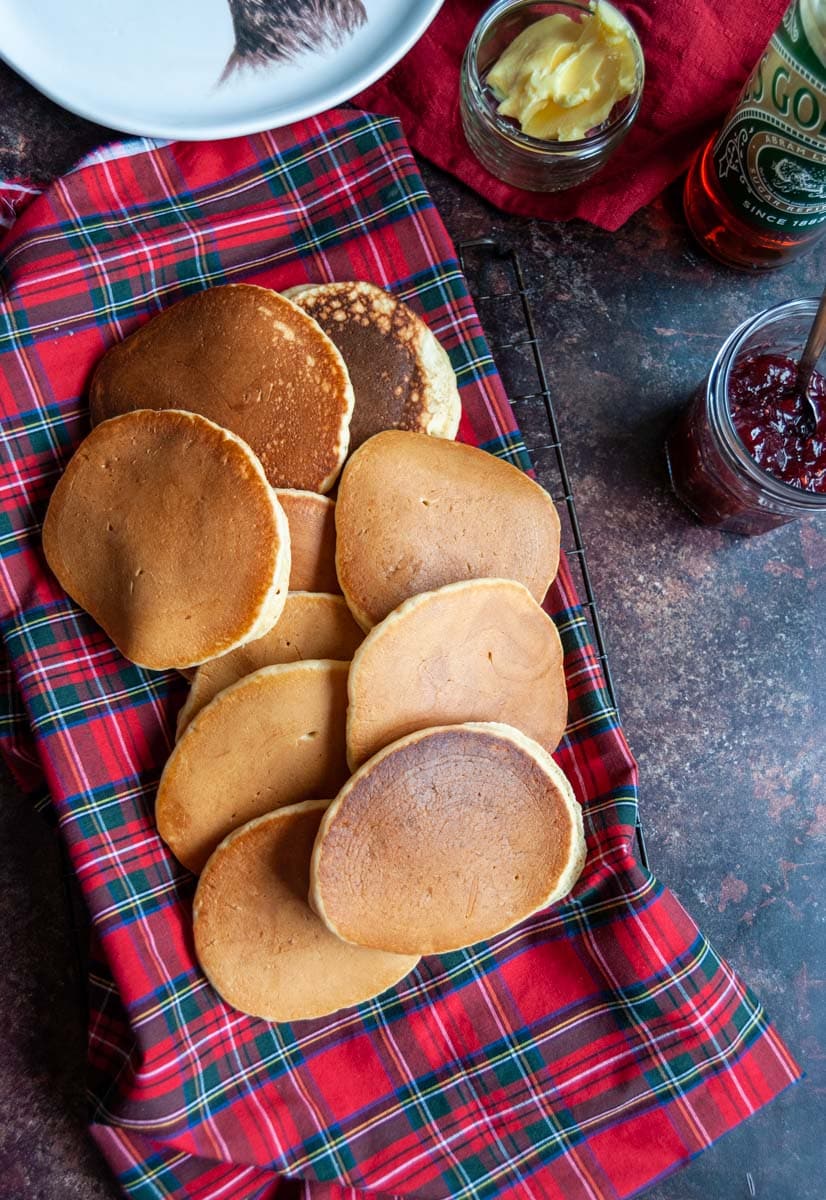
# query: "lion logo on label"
793,179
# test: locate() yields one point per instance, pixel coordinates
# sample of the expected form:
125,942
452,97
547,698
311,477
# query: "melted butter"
560,77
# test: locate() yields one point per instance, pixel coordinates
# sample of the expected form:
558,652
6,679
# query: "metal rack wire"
497,283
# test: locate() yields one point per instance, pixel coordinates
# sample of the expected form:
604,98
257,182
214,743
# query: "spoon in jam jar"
815,345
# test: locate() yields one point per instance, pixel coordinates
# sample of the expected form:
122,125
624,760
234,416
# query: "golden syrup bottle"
755,196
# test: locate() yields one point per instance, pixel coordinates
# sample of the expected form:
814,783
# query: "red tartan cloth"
698,54
579,1056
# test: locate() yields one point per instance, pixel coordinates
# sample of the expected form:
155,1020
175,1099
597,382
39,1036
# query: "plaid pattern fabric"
579,1056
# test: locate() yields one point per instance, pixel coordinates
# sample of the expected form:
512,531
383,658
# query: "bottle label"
770,156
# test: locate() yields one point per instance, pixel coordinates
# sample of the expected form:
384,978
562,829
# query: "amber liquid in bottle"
723,233
755,196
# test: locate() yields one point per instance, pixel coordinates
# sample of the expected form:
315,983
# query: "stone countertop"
716,647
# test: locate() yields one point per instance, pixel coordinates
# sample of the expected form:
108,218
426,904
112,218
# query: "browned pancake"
312,521
447,837
165,529
414,513
274,738
312,625
401,375
480,650
258,941
252,362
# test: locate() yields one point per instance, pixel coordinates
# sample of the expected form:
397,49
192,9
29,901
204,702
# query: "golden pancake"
414,513
164,529
448,836
312,521
258,941
401,374
480,650
272,739
249,360
312,625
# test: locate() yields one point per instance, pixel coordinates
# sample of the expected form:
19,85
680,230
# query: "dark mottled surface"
45,1153
716,646
716,643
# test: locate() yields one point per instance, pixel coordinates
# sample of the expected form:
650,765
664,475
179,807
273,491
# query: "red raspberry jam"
773,421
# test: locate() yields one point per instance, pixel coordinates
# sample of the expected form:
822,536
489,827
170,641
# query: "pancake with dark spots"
401,375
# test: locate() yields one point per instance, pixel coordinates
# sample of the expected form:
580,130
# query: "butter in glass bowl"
549,91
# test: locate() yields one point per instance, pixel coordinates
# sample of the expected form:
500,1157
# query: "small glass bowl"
500,145
711,470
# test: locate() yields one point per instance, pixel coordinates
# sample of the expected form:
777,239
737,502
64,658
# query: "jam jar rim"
717,388
593,143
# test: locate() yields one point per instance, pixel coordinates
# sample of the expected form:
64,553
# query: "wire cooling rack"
496,281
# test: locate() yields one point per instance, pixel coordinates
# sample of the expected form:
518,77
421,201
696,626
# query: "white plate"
155,67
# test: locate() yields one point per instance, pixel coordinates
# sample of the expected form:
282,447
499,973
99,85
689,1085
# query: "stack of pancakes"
362,772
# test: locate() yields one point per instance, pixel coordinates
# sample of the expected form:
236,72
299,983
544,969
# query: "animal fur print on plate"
268,31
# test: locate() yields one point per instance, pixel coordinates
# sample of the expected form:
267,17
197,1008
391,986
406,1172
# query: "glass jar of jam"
743,456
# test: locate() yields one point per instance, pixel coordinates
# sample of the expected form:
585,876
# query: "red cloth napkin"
697,56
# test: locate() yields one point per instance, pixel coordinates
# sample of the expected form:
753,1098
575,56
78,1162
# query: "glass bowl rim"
510,131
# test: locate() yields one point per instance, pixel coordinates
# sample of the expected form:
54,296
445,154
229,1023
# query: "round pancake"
258,941
401,374
164,528
274,738
312,625
448,836
480,650
415,513
312,521
249,360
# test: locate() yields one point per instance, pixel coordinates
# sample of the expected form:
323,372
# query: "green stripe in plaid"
511,447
